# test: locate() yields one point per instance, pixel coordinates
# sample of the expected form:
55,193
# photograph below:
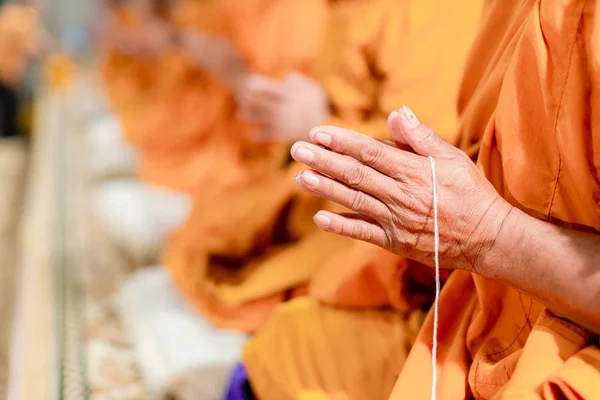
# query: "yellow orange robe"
418,47
534,92
175,114
237,209
247,249
127,78
530,87
181,119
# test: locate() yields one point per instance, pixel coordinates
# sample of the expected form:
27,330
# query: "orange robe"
530,88
223,258
127,79
176,115
181,119
249,248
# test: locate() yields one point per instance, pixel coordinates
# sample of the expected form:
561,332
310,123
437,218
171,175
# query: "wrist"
490,237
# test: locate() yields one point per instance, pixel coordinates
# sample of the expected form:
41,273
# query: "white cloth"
108,153
181,356
138,216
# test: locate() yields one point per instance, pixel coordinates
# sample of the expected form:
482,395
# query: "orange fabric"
179,118
366,276
20,39
254,242
182,120
159,101
381,54
364,358
530,87
227,257
418,47
127,79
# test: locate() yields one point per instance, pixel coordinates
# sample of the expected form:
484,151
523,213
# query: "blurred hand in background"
285,111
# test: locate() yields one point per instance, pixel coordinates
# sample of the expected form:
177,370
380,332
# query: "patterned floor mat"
85,348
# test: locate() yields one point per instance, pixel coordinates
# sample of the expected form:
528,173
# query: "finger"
355,228
337,192
398,138
421,138
345,169
365,149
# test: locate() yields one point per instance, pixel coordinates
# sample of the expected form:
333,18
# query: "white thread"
436,250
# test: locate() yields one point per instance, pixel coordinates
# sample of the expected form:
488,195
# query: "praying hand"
390,190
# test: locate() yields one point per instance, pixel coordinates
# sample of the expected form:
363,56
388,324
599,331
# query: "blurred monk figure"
246,192
184,123
518,318
248,247
142,70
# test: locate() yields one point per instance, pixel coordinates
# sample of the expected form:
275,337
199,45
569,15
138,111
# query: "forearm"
558,267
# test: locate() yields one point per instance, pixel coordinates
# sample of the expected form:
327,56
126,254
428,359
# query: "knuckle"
358,202
341,143
428,135
357,231
322,163
370,153
327,189
355,177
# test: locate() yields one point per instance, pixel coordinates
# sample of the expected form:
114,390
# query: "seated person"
517,316
135,38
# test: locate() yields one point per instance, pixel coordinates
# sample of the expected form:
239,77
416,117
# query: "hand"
216,55
391,190
285,111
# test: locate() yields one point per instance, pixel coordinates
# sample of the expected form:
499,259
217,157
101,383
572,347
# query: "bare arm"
558,267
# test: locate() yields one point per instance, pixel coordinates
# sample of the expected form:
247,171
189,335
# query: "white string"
436,250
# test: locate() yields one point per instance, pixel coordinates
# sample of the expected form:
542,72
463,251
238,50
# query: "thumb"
406,129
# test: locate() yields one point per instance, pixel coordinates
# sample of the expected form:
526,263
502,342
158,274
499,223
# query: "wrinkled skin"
390,189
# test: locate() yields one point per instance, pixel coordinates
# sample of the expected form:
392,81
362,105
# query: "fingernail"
310,179
298,176
304,155
409,116
322,220
323,138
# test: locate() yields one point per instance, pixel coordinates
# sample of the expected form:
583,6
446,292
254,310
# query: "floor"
67,337
13,162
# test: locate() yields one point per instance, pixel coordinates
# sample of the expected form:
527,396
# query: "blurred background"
149,220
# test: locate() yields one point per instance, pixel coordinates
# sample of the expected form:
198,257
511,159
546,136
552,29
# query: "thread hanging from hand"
436,250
